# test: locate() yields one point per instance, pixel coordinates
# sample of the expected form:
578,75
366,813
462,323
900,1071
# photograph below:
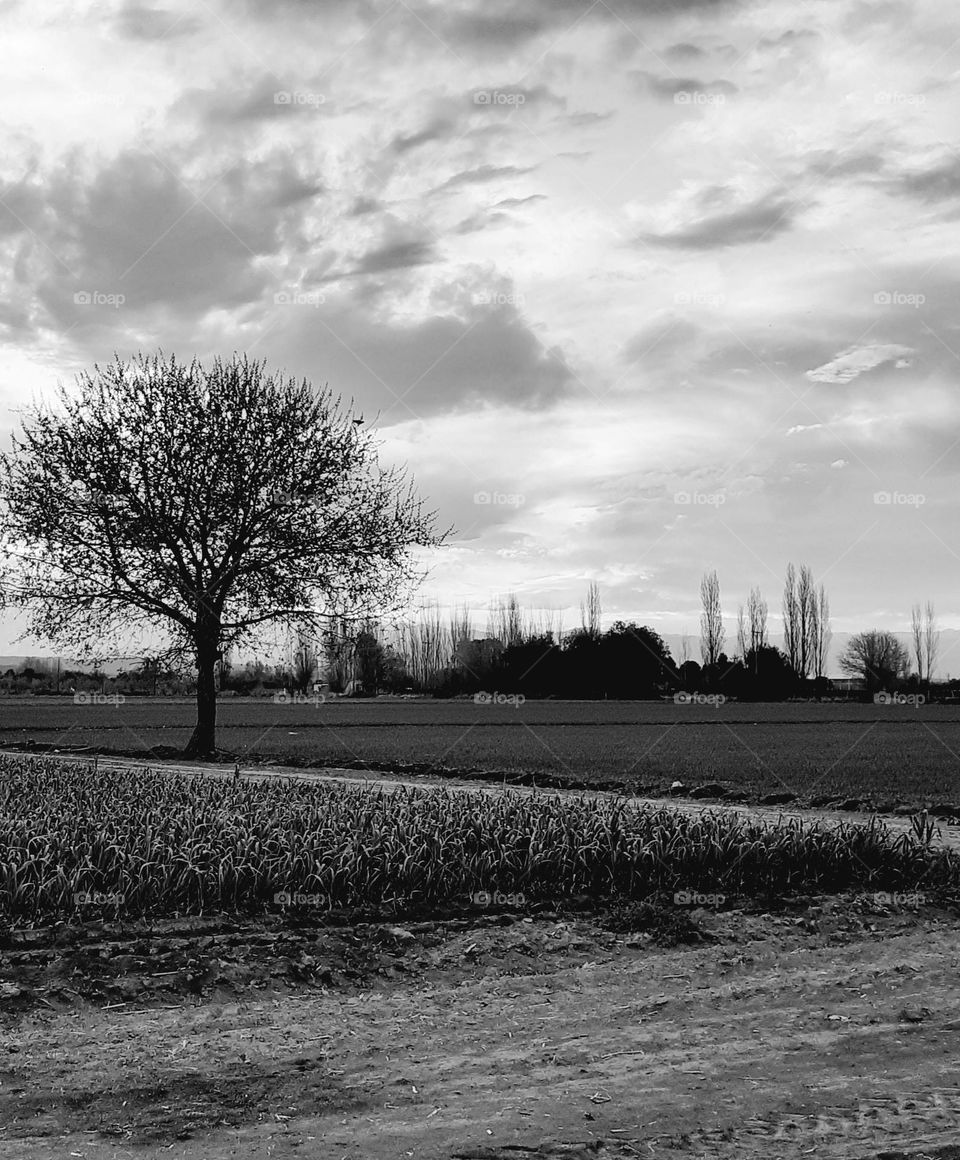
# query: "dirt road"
777,1041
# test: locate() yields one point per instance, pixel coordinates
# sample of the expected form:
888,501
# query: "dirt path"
778,1042
946,835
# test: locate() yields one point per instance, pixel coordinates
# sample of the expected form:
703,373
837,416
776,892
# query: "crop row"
157,844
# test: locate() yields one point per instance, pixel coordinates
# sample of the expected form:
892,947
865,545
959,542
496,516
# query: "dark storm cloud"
759,220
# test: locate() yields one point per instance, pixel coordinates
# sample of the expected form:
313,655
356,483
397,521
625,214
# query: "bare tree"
204,504
684,648
711,619
931,641
916,636
757,616
806,621
591,612
823,634
791,619
742,638
876,656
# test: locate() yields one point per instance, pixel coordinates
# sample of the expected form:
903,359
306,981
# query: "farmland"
887,753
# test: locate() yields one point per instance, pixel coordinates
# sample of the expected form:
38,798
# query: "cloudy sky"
635,287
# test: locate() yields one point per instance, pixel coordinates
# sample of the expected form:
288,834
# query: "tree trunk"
203,743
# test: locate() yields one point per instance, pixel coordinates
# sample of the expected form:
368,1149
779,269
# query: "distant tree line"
519,651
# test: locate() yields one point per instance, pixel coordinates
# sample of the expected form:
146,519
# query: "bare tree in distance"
823,635
742,637
931,641
916,636
757,616
711,619
807,620
202,503
791,619
591,612
877,656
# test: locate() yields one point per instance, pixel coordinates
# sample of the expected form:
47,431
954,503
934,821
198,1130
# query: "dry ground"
829,1030
834,1032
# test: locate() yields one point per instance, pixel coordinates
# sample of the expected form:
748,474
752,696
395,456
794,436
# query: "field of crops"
77,841
889,753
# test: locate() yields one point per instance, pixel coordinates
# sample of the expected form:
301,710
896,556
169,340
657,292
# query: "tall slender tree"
711,619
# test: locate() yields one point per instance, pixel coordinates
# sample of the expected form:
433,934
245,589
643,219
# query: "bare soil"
829,1029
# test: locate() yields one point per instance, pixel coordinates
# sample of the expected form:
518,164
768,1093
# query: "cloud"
137,21
667,88
855,361
484,173
514,202
395,256
265,98
437,130
720,216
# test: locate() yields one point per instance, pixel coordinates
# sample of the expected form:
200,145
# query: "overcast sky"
636,287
